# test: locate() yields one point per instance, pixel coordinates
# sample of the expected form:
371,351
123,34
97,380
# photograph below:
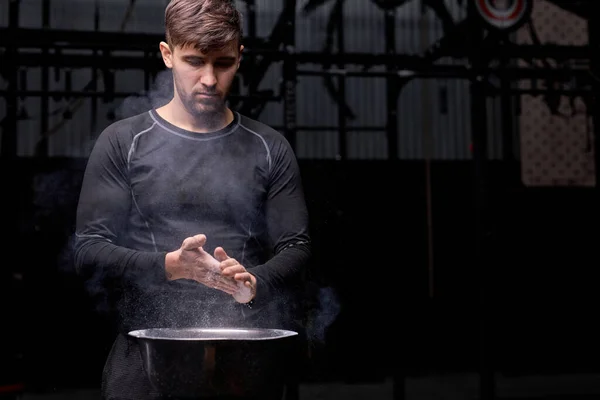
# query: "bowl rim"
154,334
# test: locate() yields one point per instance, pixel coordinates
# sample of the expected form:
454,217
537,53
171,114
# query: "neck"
176,114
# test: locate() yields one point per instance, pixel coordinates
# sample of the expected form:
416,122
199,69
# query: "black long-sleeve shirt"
149,184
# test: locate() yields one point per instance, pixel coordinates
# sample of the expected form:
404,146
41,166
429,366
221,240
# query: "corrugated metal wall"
436,109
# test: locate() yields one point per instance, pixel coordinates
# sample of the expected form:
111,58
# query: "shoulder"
260,128
272,138
130,126
119,135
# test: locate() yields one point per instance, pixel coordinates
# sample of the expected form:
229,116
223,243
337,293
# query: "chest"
196,182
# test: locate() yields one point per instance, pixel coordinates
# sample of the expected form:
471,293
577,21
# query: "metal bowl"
217,362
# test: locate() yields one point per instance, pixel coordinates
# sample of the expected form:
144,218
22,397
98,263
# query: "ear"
167,54
240,57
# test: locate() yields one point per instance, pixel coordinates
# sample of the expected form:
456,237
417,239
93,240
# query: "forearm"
99,260
285,271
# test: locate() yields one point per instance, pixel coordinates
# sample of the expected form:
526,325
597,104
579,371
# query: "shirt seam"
129,157
199,138
264,142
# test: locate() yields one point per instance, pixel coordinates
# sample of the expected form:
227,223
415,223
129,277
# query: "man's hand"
246,282
190,261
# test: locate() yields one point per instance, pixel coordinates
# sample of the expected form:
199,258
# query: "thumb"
193,242
220,254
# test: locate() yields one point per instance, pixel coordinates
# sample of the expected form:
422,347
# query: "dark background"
424,265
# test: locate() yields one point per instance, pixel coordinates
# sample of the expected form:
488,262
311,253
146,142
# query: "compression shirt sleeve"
287,227
102,215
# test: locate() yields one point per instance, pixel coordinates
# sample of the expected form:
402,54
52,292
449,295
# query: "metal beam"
412,68
264,97
445,71
102,94
482,260
340,99
393,88
11,68
139,42
68,39
289,72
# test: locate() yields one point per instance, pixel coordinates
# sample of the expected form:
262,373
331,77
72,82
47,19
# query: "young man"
191,215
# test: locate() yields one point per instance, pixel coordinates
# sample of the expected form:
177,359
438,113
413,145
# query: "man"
191,214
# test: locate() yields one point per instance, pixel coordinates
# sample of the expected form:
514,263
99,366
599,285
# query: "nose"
209,79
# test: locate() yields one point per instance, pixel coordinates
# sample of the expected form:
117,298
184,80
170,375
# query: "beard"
209,109
203,106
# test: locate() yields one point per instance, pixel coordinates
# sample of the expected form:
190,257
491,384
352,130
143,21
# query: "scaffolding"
59,52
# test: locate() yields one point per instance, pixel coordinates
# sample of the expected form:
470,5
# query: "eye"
194,62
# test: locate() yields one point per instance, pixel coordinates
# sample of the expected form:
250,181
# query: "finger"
220,254
227,285
229,291
243,277
193,242
233,269
229,263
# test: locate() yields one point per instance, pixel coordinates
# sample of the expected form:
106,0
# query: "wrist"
171,265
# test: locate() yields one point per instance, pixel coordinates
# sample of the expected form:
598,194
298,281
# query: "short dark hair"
207,25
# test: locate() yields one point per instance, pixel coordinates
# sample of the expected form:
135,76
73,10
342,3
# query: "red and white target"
504,14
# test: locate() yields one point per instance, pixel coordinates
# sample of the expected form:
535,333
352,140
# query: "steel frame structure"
56,52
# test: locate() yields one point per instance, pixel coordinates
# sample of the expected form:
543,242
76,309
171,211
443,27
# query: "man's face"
202,81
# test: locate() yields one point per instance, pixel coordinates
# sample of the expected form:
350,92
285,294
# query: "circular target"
504,14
